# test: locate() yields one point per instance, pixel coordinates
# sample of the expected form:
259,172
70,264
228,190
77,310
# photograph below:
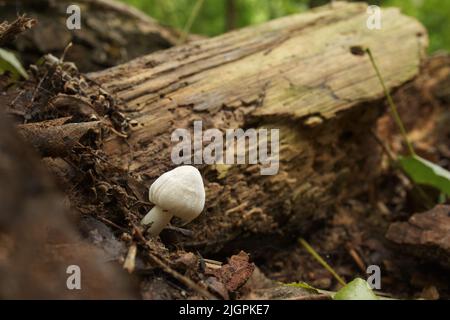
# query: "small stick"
237,208
359,262
111,223
130,261
213,262
383,146
184,280
178,276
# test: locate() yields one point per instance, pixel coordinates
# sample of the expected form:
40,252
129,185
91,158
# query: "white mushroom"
179,192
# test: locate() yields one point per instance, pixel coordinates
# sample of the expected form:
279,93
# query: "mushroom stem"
157,219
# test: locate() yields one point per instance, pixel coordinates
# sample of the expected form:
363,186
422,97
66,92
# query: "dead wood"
55,140
425,235
297,74
111,32
236,272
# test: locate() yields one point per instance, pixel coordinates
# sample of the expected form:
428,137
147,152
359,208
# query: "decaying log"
425,235
111,32
297,74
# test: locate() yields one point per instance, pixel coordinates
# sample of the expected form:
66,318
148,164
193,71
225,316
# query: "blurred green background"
217,16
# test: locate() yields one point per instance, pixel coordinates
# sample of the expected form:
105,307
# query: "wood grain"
296,74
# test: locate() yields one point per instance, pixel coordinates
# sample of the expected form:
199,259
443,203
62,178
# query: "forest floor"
353,239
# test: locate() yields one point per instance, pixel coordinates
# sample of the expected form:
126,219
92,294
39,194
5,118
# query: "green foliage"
358,289
9,62
434,14
425,172
212,18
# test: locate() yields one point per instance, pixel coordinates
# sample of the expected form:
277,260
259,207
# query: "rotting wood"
425,235
55,140
297,74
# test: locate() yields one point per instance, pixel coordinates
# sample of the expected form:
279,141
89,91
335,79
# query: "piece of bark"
111,32
55,140
296,74
38,240
236,272
425,235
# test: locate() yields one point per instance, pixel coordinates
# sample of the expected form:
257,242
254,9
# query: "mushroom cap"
180,192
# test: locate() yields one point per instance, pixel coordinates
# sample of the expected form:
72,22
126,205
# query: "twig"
184,280
38,86
321,261
355,256
383,146
130,261
178,276
111,223
120,134
184,232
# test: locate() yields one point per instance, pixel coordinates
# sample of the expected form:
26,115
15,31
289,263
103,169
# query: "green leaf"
358,289
9,62
425,172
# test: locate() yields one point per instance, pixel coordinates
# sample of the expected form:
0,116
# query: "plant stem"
321,261
187,28
394,109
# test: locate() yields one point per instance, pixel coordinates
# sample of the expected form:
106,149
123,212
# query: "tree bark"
425,235
300,74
